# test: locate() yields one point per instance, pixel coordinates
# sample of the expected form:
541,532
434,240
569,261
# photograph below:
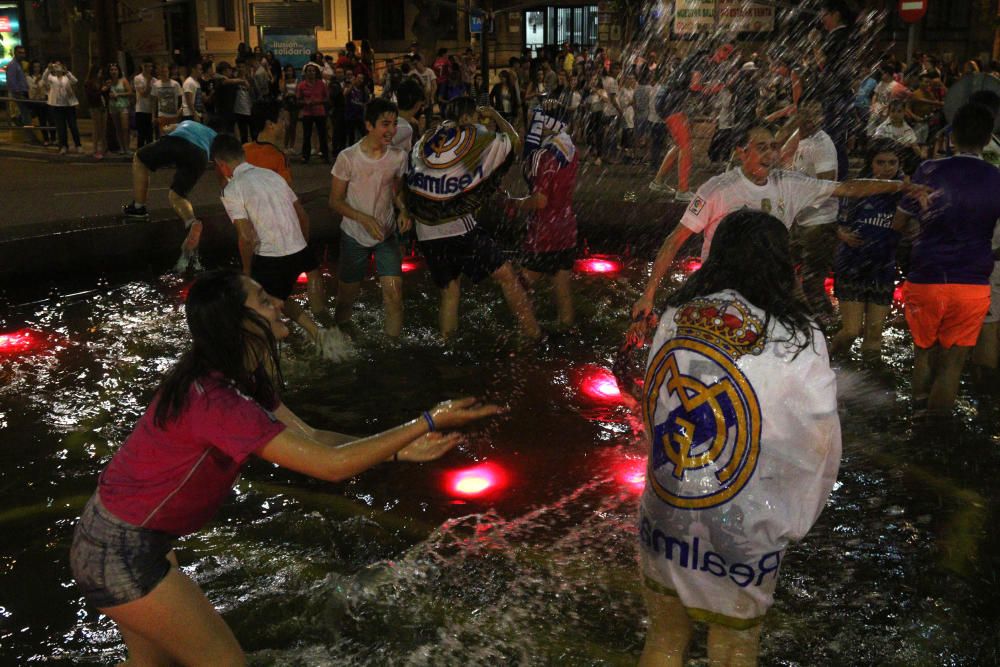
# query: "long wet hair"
750,254
228,338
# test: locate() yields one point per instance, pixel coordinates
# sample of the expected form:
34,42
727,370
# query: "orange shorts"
946,314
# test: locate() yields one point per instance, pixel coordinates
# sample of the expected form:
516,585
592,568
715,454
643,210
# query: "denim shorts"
115,562
353,264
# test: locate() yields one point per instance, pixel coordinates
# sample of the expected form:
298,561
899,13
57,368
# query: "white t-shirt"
784,195
724,107
370,188
264,198
190,86
142,85
904,134
653,116
745,450
610,88
404,135
626,98
166,92
816,155
428,79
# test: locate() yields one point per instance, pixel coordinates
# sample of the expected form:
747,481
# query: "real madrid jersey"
745,448
785,194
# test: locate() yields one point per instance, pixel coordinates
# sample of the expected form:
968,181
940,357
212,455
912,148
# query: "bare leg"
924,362
874,323
347,294
851,313
564,298
669,631
316,291
947,378
448,317
733,648
518,301
177,622
987,352
182,207
392,300
140,181
667,164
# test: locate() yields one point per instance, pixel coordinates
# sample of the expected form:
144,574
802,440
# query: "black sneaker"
133,212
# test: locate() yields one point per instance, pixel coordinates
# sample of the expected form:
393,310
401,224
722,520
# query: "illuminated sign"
10,37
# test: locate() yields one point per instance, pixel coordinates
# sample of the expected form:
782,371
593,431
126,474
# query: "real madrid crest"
705,427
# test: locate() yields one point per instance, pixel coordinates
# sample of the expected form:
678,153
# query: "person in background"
120,95
243,102
209,86
96,89
218,407
478,90
167,93
356,97
452,88
503,97
38,93
289,105
62,103
410,101
192,106
865,264
947,291
731,482
336,107
311,94
18,88
896,129
144,101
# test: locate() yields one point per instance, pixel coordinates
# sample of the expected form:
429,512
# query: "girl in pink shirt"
215,409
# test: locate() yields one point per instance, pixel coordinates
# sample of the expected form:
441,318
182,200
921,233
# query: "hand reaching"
461,411
428,447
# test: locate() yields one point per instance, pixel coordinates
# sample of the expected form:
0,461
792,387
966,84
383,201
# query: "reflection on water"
397,568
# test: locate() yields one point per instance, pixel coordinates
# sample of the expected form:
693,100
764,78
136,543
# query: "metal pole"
911,37
484,64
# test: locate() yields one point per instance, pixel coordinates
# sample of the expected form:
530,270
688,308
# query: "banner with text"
739,16
290,46
694,16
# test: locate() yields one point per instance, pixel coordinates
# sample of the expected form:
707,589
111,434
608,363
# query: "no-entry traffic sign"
911,11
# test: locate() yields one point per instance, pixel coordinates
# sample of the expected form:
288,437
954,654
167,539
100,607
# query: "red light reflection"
599,384
691,264
828,284
596,264
411,263
897,294
476,481
21,341
632,473
302,279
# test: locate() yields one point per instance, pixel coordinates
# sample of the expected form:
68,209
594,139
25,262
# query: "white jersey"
745,449
904,134
403,139
784,195
816,155
370,188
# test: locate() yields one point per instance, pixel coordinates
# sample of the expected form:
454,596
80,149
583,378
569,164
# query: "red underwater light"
411,263
302,279
632,473
599,384
691,264
21,341
897,294
828,284
597,264
479,480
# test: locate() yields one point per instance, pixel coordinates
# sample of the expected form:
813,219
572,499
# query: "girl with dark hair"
216,408
865,265
96,89
741,408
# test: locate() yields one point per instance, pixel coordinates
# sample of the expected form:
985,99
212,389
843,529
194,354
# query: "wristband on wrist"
430,421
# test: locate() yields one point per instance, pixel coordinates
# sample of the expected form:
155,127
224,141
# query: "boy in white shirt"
755,185
143,85
167,93
367,181
191,104
271,225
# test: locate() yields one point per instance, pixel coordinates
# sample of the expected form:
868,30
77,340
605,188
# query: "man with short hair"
17,86
947,290
143,86
754,184
272,227
192,107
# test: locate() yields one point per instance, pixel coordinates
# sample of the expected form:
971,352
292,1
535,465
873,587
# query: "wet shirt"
370,188
264,198
953,245
745,447
553,173
871,219
784,196
816,155
174,479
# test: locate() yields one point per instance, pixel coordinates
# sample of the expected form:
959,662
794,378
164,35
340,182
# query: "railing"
9,123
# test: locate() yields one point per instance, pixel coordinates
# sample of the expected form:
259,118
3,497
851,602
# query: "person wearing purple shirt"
947,292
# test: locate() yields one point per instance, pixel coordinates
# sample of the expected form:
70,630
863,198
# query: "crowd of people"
419,147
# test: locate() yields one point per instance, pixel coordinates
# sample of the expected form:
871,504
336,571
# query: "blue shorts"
113,561
353,264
